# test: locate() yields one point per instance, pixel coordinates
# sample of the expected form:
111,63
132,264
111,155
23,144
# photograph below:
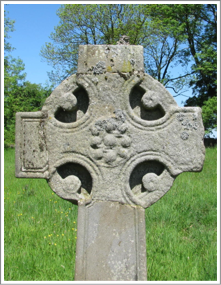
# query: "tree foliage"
202,37
209,109
104,24
201,31
87,24
8,27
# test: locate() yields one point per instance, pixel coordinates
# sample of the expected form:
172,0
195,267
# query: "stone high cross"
111,139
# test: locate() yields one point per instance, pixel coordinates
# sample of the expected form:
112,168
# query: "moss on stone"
126,67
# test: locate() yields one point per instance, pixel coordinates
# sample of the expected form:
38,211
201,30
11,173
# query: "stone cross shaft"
111,139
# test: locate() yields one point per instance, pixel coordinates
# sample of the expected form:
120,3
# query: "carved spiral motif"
68,102
150,182
147,178
71,184
149,100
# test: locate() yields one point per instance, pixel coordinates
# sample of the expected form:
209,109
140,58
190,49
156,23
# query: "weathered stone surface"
100,59
109,135
111,244
31,151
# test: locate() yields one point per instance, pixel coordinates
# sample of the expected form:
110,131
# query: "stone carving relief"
111,142
145,104
189,123
72,106
110,137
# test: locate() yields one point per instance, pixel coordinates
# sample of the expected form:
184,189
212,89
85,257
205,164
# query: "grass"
40,229
182,228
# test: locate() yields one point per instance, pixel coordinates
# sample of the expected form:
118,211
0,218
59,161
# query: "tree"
201,31
13,75
87,24
104,24
209,109
165,48
28,97
8,27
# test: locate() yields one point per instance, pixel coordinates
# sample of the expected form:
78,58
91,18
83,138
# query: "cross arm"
31,150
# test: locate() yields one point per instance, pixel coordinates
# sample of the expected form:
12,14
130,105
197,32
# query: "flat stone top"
98,59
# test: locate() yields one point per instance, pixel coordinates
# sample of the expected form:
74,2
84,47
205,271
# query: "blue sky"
33,26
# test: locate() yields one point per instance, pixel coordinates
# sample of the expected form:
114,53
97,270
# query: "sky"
33,25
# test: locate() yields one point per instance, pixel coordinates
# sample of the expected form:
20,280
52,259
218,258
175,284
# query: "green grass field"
40,229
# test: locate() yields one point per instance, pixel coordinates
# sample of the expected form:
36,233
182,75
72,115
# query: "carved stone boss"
112,139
